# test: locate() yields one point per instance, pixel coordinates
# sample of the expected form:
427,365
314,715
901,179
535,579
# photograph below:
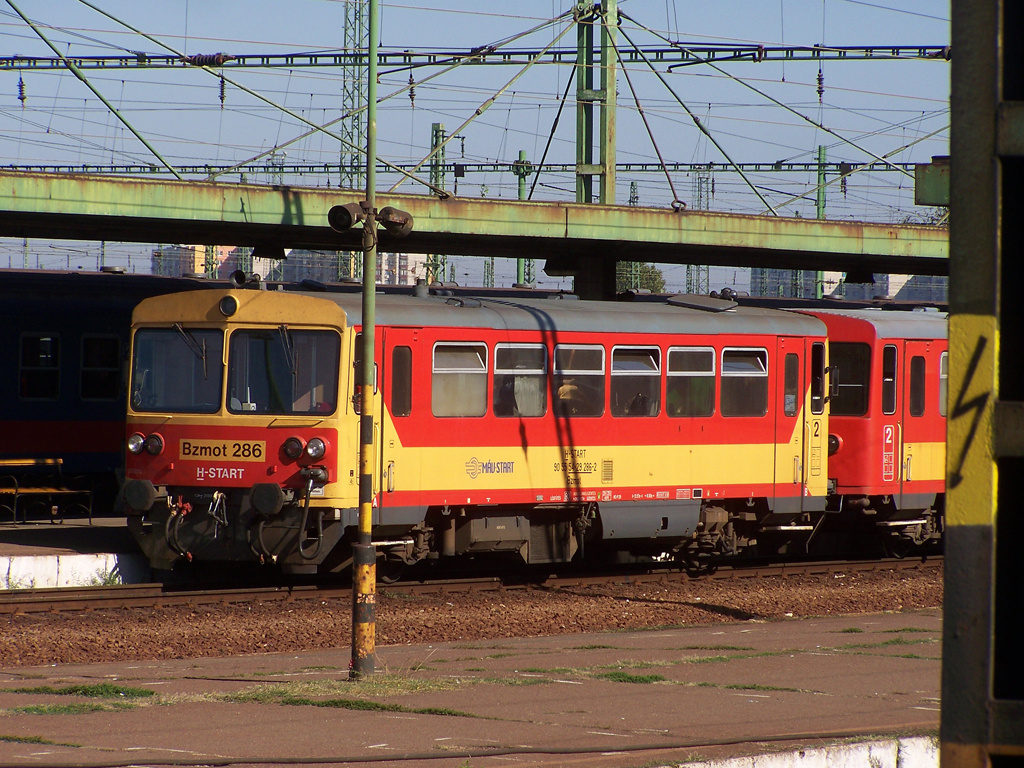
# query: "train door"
892,419
790,462
399,461
914,423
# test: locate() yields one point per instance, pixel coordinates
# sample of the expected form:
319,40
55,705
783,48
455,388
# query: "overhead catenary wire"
78,73
676,202
483,107
712,65
261,97
696,121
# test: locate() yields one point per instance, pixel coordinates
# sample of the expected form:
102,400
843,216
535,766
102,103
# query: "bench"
41,481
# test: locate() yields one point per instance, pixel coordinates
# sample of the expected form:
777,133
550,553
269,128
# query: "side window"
578,380
817,378
744,382
401,381
459,382
690,381
101,367
636,381
520,380
943,382
39,371
791,395
889,379
917,370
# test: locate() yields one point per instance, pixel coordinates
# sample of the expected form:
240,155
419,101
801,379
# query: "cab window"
283,371
177,370
850,365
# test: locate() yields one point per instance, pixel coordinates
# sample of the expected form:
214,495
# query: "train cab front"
236,429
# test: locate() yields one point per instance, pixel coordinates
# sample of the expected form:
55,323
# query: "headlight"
316,448
228,305
834,444
292,447
154,445
136,442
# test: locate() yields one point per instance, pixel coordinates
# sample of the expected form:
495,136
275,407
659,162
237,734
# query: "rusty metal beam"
52,206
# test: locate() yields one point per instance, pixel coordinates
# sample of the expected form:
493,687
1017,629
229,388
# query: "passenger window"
690,381
791,393
817,378
889,380
850,365
943,382
101,368
636,381
520,380
578,381
459,381
401,381
744,382
39,374
917,370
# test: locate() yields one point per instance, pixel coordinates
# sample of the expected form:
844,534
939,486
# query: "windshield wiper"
286,343
198,349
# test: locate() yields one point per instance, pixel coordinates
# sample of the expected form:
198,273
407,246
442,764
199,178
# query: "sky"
755,112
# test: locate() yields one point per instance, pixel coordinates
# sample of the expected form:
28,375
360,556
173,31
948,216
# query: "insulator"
223,91
842,185
21,91
208,59
412,91
821,85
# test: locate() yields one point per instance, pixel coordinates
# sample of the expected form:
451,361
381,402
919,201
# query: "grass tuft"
626,677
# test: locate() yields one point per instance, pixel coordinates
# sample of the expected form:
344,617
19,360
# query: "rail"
41,481
77,599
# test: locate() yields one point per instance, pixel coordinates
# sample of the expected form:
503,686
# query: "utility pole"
819,207
436,263
364,555
595,280
522,169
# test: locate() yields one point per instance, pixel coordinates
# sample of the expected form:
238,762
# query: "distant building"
298,264
930,289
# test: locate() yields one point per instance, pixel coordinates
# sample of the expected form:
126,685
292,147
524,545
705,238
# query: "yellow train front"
549,429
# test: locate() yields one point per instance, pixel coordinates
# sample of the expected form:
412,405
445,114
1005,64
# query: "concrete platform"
856,689
73,553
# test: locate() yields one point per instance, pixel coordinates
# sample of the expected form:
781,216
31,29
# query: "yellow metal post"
983,621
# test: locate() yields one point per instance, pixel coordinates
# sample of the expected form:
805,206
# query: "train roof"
678,314
889,324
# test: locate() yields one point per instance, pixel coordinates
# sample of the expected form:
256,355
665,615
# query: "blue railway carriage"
63,354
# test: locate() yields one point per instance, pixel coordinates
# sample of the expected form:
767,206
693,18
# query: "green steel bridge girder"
82,207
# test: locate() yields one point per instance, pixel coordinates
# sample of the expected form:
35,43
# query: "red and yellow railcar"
552,428
887,424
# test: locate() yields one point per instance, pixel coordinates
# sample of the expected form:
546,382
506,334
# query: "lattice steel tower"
353,94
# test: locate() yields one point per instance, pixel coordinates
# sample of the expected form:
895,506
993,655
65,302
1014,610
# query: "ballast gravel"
257,627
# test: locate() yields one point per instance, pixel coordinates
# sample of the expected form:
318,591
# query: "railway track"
133,596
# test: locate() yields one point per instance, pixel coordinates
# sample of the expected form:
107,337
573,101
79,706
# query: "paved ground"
616,699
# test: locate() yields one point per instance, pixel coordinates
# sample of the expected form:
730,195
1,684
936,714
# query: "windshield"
177,370
283,371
